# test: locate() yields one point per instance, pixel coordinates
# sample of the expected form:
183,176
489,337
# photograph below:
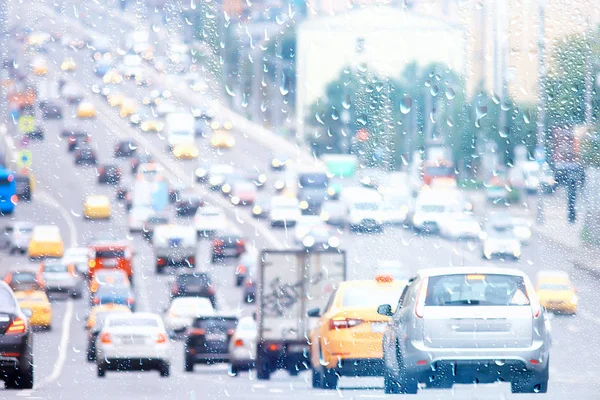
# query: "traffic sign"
24,159
26,124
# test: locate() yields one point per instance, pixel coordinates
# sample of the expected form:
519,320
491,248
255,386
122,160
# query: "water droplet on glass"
284,88
319,118
500,362
362,120
450,93
335,115
449,122
527,117
75,214
347,103
192,4
244,100
504,132
496,99
481,111
406,105
229,91
362,67
434,90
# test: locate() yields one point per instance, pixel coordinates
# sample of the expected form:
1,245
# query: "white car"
217,174
500,241
242,346
284,211
522,229
304,225
208,220
133,341
77,256
137,217
459,226
183,310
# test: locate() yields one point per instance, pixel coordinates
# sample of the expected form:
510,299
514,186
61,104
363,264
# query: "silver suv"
467,325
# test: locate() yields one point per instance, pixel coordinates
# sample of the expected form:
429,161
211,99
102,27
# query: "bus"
8,191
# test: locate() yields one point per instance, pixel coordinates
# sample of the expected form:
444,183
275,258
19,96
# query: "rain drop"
335,115
347,103
362,120
449,122
229,91
434,90
450,93
527,117
406,105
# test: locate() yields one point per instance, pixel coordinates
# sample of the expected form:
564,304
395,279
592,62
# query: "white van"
365,208
174,245
284,211
180,128
432,206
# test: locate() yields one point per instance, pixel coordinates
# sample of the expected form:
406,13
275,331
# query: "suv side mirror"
385,309
313,312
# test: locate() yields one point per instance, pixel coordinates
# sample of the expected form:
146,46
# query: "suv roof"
427,272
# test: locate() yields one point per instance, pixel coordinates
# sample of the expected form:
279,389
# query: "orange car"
110,255
347,339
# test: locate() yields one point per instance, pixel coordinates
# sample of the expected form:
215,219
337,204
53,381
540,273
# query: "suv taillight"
16,327
420,304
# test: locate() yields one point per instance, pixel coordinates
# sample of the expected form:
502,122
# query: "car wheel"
91,354
316,379
20,381
329,378
263,371
531,382
164,370
188,365
101,370
390,384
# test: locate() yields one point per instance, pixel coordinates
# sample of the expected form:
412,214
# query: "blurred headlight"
230,142
262,178
404,209
214,125
418,219
324,216
573,299
256,210
214,181
226,188
228,125
333,241
275,163
523,232
331,191
303,204
308,241
194,152
235,200
145,126
279,185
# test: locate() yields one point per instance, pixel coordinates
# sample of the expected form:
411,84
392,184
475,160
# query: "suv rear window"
193,279
476,289
110,253
218,324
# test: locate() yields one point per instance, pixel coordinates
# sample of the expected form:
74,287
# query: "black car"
109,174
125,148
23,187
194,284
207,340
51,110
227,245
188,203
175,192
36,133
123,187
85,155
93,332
16,345
77,139
139,159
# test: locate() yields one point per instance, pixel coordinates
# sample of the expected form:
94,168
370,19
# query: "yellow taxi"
128,107
86,109
556,292
38,303
96,207
115,99
222,138
68,65
104,309
347,339
185,151
152,125
46,241
215,125
112,76
39,66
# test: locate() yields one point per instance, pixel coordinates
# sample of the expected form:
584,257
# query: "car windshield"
476,289
500,232
56,267
130,322
110,253
363,298
555,287
23,277
113,291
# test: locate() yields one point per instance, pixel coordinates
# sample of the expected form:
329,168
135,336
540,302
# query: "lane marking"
63,346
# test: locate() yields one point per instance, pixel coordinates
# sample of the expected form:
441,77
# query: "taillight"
420,304
211,290
174,289
536,308
161,338
16,326
191,260
100,170
39,280
239,343
343,323
14,199
196,332
105,338
130,300
230,332
217,243
240,270
96,300
240,243
249,283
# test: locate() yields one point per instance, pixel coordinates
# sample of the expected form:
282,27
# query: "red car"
227,245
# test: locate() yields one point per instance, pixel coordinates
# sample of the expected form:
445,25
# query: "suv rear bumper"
421,359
